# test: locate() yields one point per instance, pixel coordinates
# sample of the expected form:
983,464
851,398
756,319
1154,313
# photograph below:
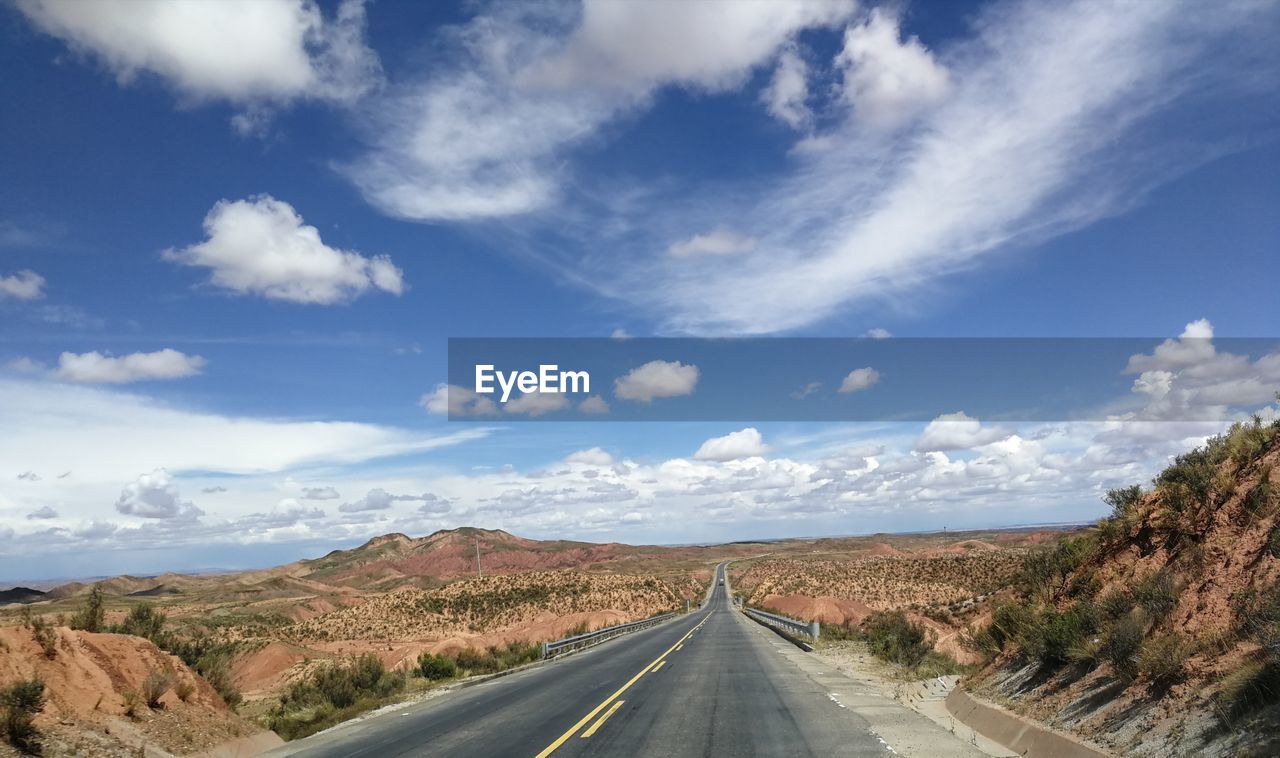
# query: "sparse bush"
1162,658
334,693
144,621
1249,688
1051,636
1121,644
1158,595
1113,605
893,637
1008,622
21,702
1261,500
184,690
1122,500
91,615
836,632
132,703
477,661
44,634
154,686
437,666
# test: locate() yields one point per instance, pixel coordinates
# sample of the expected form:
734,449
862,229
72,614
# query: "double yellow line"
594,711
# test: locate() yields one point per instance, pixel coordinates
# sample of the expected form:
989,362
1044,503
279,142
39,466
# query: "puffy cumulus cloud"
886,80
29,476
286,513
260,246
705,44
485,133
44,512
536,403
741,444
376,499
155,496
24,285
268,51
719,241
859,379
591,457
657,379
957,431
1189,379
594,406
452,400
788,90
99,368
320,493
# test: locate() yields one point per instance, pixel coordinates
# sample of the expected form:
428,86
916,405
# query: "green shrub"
1008,622
333,693
92,613
1157,595
1251,687
437,666
893,637
143,621
1122,500
154,686
1121,644
44,634
1053,635
1113,605
837,632
1261,500
477,661
1162,658
20,703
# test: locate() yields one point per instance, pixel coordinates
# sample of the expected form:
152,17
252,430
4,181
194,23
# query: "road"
711,683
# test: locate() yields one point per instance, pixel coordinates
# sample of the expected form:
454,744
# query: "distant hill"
20,595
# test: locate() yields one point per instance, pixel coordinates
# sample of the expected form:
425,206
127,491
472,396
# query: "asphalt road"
705,684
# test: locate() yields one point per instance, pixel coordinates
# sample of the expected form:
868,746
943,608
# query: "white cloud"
594,405
879,334
43,513
536,403
106,432
859,379
452,400
719,241
957,431
97,368
741,444
24,285
484,134
25,365
156,496
806,390
319,493
657,379
1038,135
591,457
266,50
888,82
261,246
375,500
788,90
29,476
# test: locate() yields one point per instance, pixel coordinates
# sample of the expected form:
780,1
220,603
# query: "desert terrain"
1151,632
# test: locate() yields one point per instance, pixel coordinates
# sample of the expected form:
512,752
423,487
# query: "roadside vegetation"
19,704
1065,615
894,638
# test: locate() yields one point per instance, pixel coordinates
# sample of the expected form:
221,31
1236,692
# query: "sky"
235,239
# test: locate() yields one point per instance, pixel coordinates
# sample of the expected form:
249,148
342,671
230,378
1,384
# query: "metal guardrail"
577,642
809,629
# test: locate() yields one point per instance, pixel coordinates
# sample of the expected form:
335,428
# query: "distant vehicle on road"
722,582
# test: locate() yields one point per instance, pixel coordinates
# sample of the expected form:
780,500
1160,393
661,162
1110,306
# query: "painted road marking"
616,705
660,665
679,646
549,749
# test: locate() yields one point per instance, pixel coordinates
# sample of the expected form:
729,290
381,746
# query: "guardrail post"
814,630
544,650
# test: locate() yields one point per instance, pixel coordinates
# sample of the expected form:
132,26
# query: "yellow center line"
660,665
616,705
594,711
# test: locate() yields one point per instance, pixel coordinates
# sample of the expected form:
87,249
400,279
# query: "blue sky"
233,248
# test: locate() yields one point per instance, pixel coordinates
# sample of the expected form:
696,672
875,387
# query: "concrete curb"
1014,732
